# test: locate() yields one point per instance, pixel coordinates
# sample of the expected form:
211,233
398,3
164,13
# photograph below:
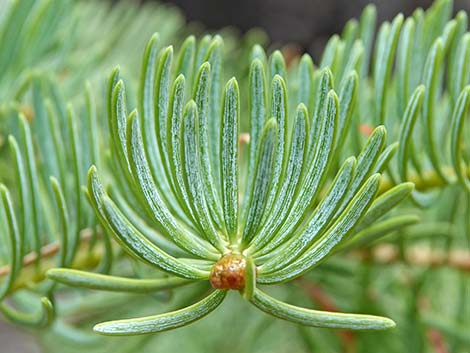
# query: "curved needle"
97,281
317,318
162,322
41,318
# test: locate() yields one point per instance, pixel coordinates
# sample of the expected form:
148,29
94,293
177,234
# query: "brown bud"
229,272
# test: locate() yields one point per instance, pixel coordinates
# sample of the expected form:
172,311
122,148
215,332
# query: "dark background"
308,23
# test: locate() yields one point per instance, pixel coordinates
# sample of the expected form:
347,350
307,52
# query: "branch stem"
30,275
428,180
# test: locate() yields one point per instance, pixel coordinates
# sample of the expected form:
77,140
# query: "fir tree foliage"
200,183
